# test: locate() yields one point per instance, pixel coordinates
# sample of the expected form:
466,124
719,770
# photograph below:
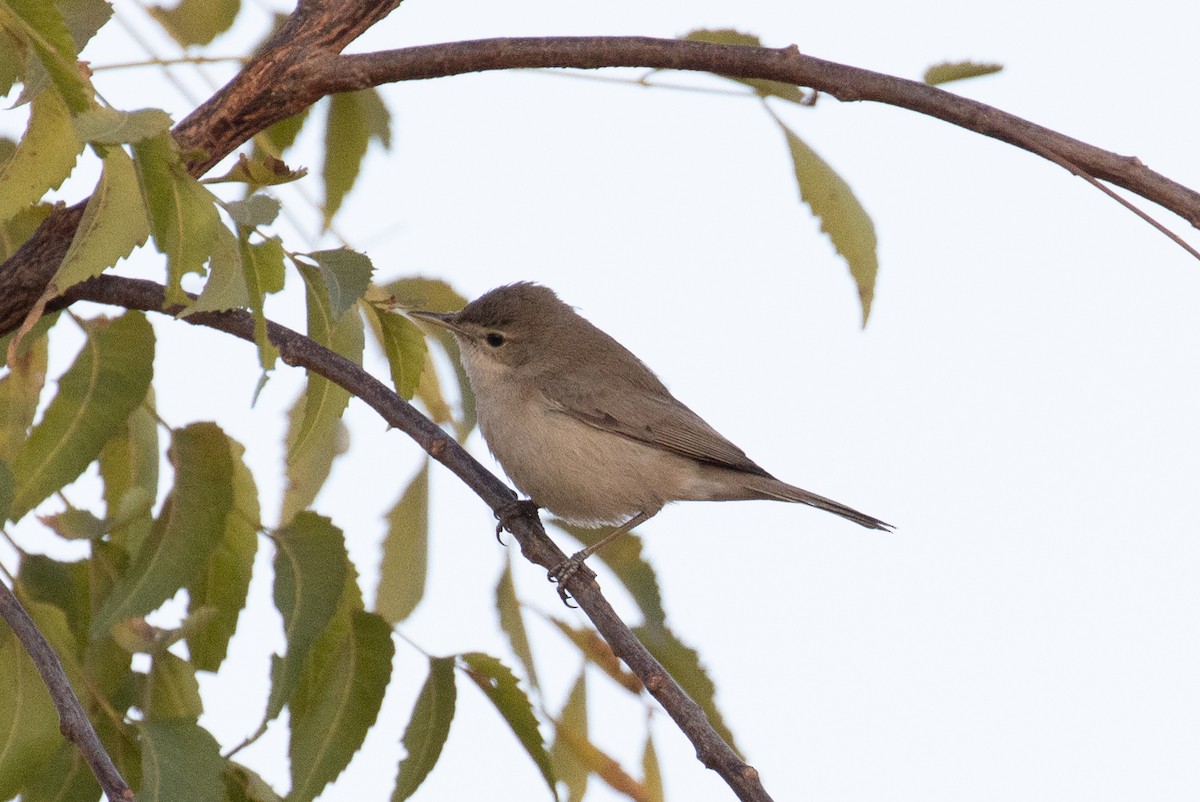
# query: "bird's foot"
519,508
566,569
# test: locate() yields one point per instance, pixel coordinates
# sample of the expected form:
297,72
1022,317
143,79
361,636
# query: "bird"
586,430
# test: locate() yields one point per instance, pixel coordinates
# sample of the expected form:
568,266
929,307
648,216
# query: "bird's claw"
511,510
566,569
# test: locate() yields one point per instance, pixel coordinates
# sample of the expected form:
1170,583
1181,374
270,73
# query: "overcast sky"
1017,405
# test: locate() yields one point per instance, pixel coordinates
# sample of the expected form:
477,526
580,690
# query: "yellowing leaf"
42,26
108,126
570,729
651,774
260,171
427,728
949,71
600,654
20,391
43,158
624,557
113,223
842,217
405,552
188,530
97,393
499,684
764,88
509,610
196,22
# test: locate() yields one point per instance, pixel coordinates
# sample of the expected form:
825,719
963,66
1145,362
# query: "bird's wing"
647,412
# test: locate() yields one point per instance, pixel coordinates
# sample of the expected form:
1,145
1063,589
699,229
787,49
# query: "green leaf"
405,348
226,285
84,18
948,71
281,135
223,584
347,275
65,778
6,490
256,210
113,223
428,727
405,563
245,785
108,126
509,610
20,392
108,379
500,685
683,663
44,157
651,774
62,586
183,214
262,268
842,217
310,573
171,689
188,530
15,231
260,170
355,118
28,721
306,477
196,22
599,653
129,469
75,524
41,24
571,728
728,36
181,762
624,557
342,690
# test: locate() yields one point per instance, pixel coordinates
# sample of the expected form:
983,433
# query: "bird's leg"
567,568
514,509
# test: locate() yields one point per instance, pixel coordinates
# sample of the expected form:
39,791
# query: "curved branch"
72,719
300,351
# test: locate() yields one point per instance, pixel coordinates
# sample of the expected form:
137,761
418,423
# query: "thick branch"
298,350
72,719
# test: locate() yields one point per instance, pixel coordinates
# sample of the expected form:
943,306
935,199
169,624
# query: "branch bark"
300,351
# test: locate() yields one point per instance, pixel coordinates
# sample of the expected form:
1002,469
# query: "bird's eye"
495,339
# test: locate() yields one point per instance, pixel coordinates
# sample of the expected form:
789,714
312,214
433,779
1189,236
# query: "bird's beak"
443,319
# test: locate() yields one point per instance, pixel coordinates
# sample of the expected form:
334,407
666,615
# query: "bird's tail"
772,488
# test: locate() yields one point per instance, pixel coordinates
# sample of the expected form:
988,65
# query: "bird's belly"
583,474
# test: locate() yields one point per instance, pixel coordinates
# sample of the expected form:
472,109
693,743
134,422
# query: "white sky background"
1017,406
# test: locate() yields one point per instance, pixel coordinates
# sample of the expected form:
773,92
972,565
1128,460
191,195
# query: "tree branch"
72,719
300,351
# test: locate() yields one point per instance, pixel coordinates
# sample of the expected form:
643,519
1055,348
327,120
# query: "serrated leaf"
651,773
764,88
355,118
500,685
28,721
346,273
108,126
20,391
572,727
600,654
948,71
842,217
310,573
509,610
624,557
223,584
183,214
15,231
262,268
44,157
683,664
343,693
108,379
181,762
226,285
84,18
188,530
256,210
41,24
113,223
306,477
427,728
129,470
405,562
171,689
196,22
260,171
404,346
